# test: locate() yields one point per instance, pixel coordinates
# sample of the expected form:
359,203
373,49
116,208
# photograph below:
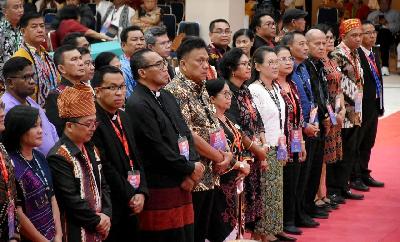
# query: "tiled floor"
391,85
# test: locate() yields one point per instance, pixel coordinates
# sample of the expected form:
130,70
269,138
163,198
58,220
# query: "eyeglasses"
165,43
226,94
91,125
115,88
370,33
26,78
286,59
245,64
221,32
159,64
202,61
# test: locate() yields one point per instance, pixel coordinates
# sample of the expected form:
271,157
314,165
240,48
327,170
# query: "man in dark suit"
122,167
372,108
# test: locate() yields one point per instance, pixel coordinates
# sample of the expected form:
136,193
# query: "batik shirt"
10,41
198,113
352,82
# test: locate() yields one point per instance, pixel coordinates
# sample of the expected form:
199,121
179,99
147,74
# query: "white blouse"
269,111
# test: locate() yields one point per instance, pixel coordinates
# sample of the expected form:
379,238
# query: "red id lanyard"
4,172
122,138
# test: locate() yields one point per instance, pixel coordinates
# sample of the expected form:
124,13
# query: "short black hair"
71,39
58,54
99,74
138,61
229,62
15,65
241,32
256,22
188,44
18,121
215,86
69,12
104,59
24,21
125,32
323,27
219,20
83,50
288,38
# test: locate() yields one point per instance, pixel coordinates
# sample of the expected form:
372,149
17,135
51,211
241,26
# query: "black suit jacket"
370,102
116,162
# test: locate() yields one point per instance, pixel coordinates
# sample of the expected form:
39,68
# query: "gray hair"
151,34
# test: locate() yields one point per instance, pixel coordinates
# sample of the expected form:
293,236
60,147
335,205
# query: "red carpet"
377,217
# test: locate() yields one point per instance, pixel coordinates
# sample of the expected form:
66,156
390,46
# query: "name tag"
332,115
218,140
358,102
282,149
313,114
11,219
183,147
295,144
134,178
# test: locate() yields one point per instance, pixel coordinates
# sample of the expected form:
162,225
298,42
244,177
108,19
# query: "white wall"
204,11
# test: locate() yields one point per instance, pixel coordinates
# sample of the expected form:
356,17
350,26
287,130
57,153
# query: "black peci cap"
293,13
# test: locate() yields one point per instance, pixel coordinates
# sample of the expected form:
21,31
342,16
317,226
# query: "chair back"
52,40
169,21
49,10
48,19
179,10
189,28
166,9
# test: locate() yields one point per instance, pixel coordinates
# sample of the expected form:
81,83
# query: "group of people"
261,137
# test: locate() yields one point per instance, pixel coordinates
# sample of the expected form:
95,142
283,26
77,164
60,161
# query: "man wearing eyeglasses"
372,108
264,27
46,74
220,37
167,150
122,166
20,85
79,184
70,64
157,40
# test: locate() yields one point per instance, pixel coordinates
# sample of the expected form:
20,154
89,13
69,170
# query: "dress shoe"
371,182
291,229
337,199
354,196
281,237
308,223
318,213
359,185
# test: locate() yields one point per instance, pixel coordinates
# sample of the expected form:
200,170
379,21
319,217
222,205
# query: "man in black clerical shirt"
121,164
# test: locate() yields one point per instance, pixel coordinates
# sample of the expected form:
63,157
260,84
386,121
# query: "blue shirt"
302,80
126,70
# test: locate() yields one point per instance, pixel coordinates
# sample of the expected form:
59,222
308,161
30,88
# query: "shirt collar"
191,84
366,51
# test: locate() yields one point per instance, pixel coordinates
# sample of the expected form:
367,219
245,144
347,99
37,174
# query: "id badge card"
11,218
282,149
332,115
313,114
134,178
183,145
295,144
112,31
105,26
337,104
358,102
218,139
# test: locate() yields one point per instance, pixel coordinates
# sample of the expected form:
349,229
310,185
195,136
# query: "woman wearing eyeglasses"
293,131
235,67
231,182
37,208
269,102
333,141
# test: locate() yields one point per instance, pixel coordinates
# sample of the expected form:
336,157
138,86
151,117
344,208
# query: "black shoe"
371,182
354,196
318,213
284,238
359,185
337,199
291,229
308,223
